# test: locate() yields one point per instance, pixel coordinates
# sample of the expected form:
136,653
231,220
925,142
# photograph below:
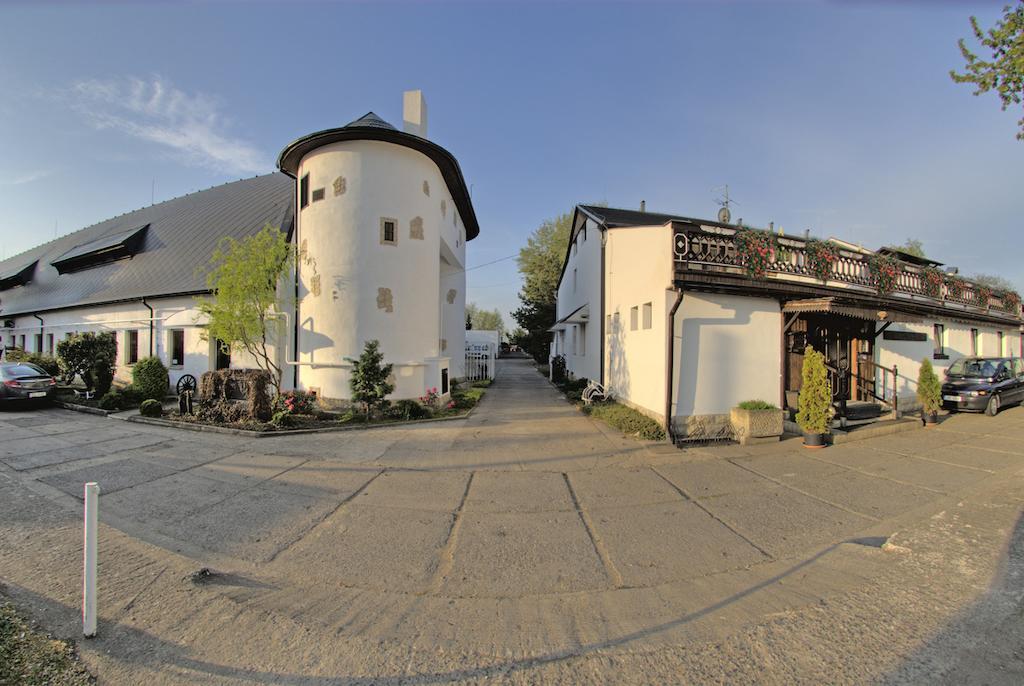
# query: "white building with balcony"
667,313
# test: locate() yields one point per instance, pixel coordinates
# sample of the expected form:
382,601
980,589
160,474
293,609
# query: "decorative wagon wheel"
187,382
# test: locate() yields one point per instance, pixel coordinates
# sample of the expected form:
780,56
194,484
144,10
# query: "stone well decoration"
756,426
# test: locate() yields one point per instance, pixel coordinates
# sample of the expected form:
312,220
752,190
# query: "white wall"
343,265
638,271
728,350
585,289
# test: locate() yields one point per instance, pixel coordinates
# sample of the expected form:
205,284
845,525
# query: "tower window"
388,231
318,194
304,191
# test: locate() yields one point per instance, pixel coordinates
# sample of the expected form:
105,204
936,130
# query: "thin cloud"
190,125
26,177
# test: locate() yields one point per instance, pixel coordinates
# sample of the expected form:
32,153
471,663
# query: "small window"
39,343
177,346
581,340
388,231
304,191
131,347
21,341
634,318
999,338
975,343
648,315
49,344
318,194
939,334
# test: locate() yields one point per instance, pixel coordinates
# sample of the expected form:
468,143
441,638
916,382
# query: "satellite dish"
724,216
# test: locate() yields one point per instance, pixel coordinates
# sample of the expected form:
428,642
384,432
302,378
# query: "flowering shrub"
821,255
982,294
450,405
955,286
757,250
933,280
431,398
297,402
885,270
1010,300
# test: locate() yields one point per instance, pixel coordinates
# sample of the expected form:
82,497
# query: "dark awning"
829,305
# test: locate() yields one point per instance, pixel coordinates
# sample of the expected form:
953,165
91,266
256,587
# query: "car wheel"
992,409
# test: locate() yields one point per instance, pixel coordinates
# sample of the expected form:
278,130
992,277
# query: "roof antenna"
724,214
152,192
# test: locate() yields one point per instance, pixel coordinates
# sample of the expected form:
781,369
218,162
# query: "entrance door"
843,341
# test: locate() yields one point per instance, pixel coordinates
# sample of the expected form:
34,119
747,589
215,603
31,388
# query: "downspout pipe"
152,326
601,329
42,326
670,359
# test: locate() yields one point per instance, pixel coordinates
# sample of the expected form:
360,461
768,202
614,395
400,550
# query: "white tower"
381,223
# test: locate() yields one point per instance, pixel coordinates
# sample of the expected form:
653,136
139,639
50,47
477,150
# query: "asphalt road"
525,544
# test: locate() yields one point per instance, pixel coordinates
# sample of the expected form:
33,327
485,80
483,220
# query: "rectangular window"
648,315
634,318
975,343
21,341
939,334
49,344
999,338
304,191
39,343
388,231
581,340
131,347
177,347
318,194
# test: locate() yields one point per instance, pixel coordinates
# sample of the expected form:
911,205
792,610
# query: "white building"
379,219
662,311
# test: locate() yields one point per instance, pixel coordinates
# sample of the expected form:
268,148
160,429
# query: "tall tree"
1005,72
243,276
540,263
912,247
997,283
483,320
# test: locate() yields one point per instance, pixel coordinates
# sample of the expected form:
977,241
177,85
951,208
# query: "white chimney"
414,113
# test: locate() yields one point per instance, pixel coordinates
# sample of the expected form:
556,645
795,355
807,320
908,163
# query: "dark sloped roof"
370,127
613,217
181,237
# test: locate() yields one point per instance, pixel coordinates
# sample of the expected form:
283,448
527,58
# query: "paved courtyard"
526,543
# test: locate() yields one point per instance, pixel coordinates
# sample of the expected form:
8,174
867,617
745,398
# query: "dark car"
983,384
23,381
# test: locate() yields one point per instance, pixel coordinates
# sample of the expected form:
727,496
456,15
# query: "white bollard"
92,491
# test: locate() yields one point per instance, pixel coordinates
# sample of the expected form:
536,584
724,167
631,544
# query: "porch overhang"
581,315
832,306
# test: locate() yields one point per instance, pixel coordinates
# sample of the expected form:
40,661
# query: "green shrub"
929,389
149,377
409,409
282,419
81,354
574,389
370,380
558,368
151,408
464,400
627,420
45,362
756,405
111,400
815,401
103,376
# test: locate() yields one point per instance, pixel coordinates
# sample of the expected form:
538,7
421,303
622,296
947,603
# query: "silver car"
23,381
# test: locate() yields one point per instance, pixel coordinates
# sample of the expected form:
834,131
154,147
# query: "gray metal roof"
370,119
182,236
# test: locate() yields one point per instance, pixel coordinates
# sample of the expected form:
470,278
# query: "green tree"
815,400
243,276
1005,72
929,389
483,320
88,355
996,283
911,247
370,382
540,263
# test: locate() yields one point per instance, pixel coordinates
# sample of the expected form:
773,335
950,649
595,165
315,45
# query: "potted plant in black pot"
815,402
929,392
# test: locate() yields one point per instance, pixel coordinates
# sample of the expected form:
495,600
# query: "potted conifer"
929,392
815,401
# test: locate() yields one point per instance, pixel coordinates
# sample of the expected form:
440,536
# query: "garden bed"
629,421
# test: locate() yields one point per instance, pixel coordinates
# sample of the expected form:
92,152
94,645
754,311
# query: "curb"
85,409
209,428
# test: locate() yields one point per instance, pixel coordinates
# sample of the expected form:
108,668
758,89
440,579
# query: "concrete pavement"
525,543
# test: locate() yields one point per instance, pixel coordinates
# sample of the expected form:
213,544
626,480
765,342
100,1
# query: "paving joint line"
595,539
932,459
244,489
446,560
686,496
875,476
803,492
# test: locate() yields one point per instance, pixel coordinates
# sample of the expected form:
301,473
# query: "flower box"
756,426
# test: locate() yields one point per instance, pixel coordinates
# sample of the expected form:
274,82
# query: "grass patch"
627,420
482,383
756,405
29,656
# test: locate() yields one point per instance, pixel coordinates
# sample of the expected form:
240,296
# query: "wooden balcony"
708,257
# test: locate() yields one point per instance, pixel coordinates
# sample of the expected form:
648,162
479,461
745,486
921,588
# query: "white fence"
480,361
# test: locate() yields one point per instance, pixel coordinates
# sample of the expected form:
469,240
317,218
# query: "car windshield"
975,368
16,371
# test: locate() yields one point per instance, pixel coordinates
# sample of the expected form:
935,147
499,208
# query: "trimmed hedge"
627,420
151,408
252,385
149,377
48,364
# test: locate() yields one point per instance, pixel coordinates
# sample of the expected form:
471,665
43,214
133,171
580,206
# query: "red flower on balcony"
933,280
955,287
821,255
1010,300
885,271
756,250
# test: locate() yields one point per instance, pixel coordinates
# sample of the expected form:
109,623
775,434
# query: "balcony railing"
712,248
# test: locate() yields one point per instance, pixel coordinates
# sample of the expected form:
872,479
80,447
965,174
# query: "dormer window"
102,250
18,277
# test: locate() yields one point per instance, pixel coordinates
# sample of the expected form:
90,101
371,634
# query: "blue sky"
834,117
